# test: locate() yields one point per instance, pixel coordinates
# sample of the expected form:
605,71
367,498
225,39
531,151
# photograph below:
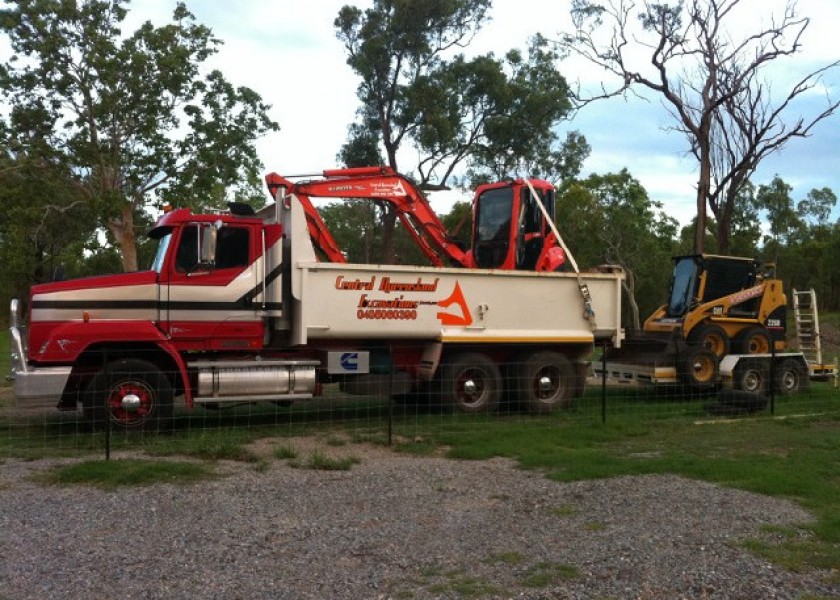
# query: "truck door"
208,289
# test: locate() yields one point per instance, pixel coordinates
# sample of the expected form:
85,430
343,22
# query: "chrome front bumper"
34,387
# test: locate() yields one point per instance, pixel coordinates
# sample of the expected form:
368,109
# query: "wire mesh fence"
135,403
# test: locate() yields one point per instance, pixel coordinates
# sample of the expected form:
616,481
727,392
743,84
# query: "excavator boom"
377,184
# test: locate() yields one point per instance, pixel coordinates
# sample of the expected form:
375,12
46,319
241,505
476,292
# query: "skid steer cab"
726,304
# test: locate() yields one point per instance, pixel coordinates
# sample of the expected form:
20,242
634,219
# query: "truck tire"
791,377
751,375
712,337
471,382
699,367
753,340
132,394
544,381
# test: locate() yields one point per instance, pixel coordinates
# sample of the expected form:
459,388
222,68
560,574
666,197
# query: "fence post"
604,382
390,396
105,368
772,382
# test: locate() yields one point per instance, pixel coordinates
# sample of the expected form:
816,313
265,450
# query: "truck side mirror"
209,235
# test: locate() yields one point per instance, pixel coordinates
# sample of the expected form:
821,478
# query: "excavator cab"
511,227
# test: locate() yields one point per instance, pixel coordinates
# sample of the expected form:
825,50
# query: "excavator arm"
377,184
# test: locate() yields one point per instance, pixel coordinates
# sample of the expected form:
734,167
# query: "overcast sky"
287,51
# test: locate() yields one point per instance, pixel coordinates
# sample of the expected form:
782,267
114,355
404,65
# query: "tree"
494,115
612,220
712,83
498,116
390,46
42,221
817,206
130,116
775,200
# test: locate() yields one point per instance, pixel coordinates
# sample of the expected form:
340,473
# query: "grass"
119,473
319,461
545,574
5,357
285,452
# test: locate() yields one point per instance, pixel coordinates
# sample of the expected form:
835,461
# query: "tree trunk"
123,231
723,230
389,217
703,187
629,285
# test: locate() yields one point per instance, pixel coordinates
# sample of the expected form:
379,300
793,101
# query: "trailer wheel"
544,381
471,382
712,337
750,376
699,367
753,340
790,377
132,394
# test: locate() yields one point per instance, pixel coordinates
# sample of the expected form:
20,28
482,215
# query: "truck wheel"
753,340
699,367
471,382
132,394
544,381
750,376
712,337
790,377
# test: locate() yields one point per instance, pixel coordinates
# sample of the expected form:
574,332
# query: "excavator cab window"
492,227
532,228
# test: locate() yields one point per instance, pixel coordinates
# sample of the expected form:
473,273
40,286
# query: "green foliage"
610,219
496,116
357,228
126,118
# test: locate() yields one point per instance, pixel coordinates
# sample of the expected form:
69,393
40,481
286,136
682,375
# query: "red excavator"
512,224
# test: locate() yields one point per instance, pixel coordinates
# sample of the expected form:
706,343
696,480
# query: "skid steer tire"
753,340
699,368
712,337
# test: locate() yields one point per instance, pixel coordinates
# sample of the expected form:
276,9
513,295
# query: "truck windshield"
682,287
160,255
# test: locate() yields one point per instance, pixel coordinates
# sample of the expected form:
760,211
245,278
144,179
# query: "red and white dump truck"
261,306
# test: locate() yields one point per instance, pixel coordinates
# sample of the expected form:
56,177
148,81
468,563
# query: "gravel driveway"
393,527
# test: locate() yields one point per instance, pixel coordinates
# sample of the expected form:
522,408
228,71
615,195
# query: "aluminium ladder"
808,333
